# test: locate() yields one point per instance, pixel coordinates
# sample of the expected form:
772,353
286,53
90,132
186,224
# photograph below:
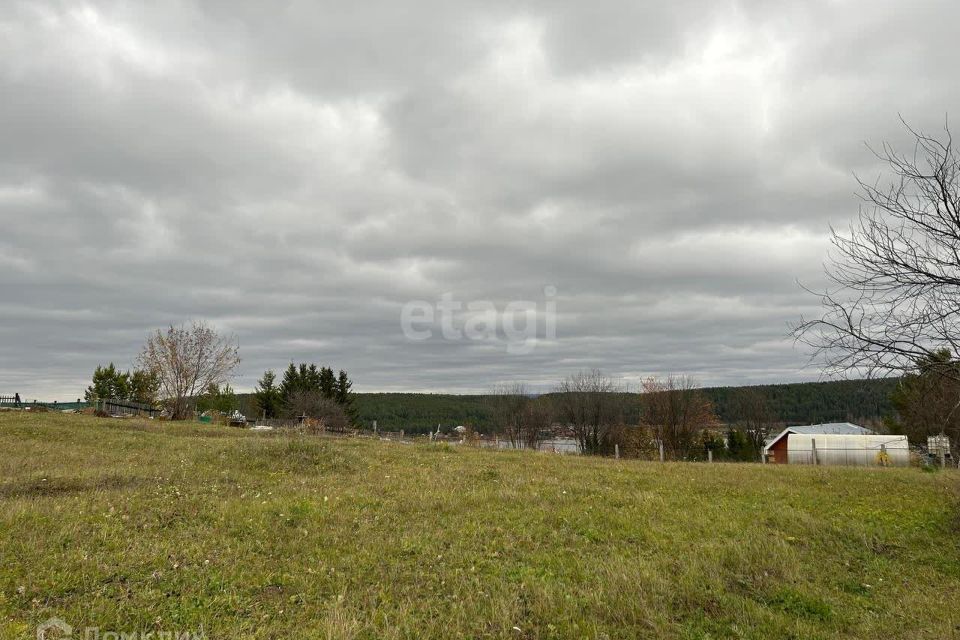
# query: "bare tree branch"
894,293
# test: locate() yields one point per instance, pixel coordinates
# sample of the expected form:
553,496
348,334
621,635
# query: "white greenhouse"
850,449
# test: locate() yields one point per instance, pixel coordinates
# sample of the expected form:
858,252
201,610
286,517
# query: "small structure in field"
838,443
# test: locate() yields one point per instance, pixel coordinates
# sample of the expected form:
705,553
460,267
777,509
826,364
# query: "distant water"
555,445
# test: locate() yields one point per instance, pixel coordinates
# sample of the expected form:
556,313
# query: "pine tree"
328,383
269,396
290,382
219,399
313,380
344,397
109,383
144,387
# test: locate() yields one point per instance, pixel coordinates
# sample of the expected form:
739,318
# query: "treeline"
855,401
422,412
858,401
110,383
671,418
417,413
305,391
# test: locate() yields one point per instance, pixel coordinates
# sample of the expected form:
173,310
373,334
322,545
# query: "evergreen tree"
313,380
290,382
109,383
925,401
217,398
310,379
328,383
269,395
739,446
144,387
303,377
344,397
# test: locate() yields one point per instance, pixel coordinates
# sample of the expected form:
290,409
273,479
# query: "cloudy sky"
296,172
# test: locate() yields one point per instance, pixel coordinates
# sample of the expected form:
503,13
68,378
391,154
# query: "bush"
634,442
320,414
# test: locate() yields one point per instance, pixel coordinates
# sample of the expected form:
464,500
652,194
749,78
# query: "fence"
61,406
311,425
17,402
126,408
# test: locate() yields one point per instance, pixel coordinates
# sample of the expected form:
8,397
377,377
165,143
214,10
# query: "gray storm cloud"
296,173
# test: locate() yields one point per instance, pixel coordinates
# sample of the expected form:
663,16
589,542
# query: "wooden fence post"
661,451
616,451
813,450
710,455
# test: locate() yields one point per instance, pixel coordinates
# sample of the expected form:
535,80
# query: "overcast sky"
295,173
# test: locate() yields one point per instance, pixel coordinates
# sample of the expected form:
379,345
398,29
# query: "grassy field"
131,526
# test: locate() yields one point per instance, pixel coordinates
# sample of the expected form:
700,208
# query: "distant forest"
859,401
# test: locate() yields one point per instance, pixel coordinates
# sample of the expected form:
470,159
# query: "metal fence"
125,408
19,403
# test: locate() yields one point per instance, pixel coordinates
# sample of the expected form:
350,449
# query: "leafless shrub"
536,420
677,412
522,419
591,403
756,418
320,414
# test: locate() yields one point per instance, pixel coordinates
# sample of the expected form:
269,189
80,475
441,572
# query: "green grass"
147,527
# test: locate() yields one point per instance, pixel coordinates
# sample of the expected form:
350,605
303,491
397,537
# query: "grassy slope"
132,526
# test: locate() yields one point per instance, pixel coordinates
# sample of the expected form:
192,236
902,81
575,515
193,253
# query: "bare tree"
754,416
187,360
677,412
536,420
592,404
508,402
522,419
894,294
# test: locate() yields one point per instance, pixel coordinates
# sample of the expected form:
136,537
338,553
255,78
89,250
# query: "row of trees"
189,366
310,391
674,412
175,367
110,383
